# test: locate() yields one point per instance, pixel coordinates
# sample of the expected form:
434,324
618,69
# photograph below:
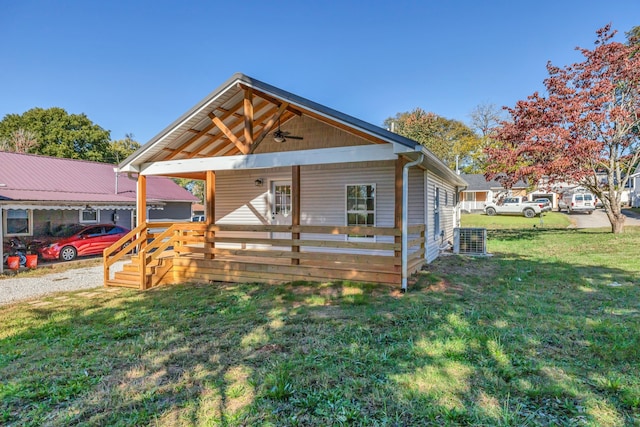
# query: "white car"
544,203
513,206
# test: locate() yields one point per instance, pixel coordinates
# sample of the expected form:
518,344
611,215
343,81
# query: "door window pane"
282,200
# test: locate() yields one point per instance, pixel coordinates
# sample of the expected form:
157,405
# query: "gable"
233,127
315,133
241,115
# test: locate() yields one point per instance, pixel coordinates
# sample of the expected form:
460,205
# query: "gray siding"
239,201
323,194
436,240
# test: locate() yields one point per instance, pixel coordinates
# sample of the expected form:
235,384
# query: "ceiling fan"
280,136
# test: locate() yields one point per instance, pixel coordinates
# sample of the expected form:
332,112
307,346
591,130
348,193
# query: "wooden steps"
128,277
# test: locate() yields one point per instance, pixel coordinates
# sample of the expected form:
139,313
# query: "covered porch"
172,253
293,191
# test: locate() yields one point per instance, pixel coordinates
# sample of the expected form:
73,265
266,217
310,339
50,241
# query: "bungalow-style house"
480,191
293,191
39,195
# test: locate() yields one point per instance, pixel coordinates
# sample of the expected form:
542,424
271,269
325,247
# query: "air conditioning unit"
470,241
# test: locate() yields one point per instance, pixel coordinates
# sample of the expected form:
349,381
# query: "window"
361,207
446,198
282,202
114,230
89,215
93,232
469,196
18,222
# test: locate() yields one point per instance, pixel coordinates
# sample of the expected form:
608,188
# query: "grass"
544,332
548,220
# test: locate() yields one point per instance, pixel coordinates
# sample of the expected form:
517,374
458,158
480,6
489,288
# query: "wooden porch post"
295,208
141,201
398,213
210,214
141,218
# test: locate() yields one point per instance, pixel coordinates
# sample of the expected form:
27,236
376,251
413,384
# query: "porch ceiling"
236,118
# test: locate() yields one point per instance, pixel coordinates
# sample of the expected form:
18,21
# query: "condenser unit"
470,241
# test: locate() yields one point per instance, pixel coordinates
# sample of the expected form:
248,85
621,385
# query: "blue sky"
135,66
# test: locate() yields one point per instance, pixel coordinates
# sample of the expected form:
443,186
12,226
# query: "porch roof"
235,118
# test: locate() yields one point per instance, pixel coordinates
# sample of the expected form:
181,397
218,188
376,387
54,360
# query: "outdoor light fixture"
259,182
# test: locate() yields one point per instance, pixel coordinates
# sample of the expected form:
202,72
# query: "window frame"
359,238
84,221
5,217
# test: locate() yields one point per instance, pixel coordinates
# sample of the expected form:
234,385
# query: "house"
294,190
480,191
634,188
628,194
39,195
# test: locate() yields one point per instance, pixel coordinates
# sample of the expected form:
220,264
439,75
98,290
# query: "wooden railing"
320,246
128,243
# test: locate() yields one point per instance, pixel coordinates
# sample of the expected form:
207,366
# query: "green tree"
585,130
121,149
452,141
195,186
633,36
59,134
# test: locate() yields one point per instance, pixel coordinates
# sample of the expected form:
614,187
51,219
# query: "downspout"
405,218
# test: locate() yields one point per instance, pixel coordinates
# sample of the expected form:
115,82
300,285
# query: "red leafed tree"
586,130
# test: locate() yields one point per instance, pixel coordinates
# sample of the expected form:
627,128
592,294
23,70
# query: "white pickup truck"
513,206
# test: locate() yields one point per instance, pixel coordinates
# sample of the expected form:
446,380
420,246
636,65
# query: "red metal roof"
28,177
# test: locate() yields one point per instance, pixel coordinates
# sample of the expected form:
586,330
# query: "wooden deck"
194,252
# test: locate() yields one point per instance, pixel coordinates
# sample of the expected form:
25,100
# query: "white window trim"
375,212
29,220
82,221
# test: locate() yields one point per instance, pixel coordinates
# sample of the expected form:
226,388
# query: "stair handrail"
148,254
120,251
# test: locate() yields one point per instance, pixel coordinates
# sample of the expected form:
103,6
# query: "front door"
281,206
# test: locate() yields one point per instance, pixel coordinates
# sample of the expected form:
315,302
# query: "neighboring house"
293,191
634,190
39,195
628,195
197,209
480,191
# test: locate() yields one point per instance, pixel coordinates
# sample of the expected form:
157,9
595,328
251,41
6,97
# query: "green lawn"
548,220
544,332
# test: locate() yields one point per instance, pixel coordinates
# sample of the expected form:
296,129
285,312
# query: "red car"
80,240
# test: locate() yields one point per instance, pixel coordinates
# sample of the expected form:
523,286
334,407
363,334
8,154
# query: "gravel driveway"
22,288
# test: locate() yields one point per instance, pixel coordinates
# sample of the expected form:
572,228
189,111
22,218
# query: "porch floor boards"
194,267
